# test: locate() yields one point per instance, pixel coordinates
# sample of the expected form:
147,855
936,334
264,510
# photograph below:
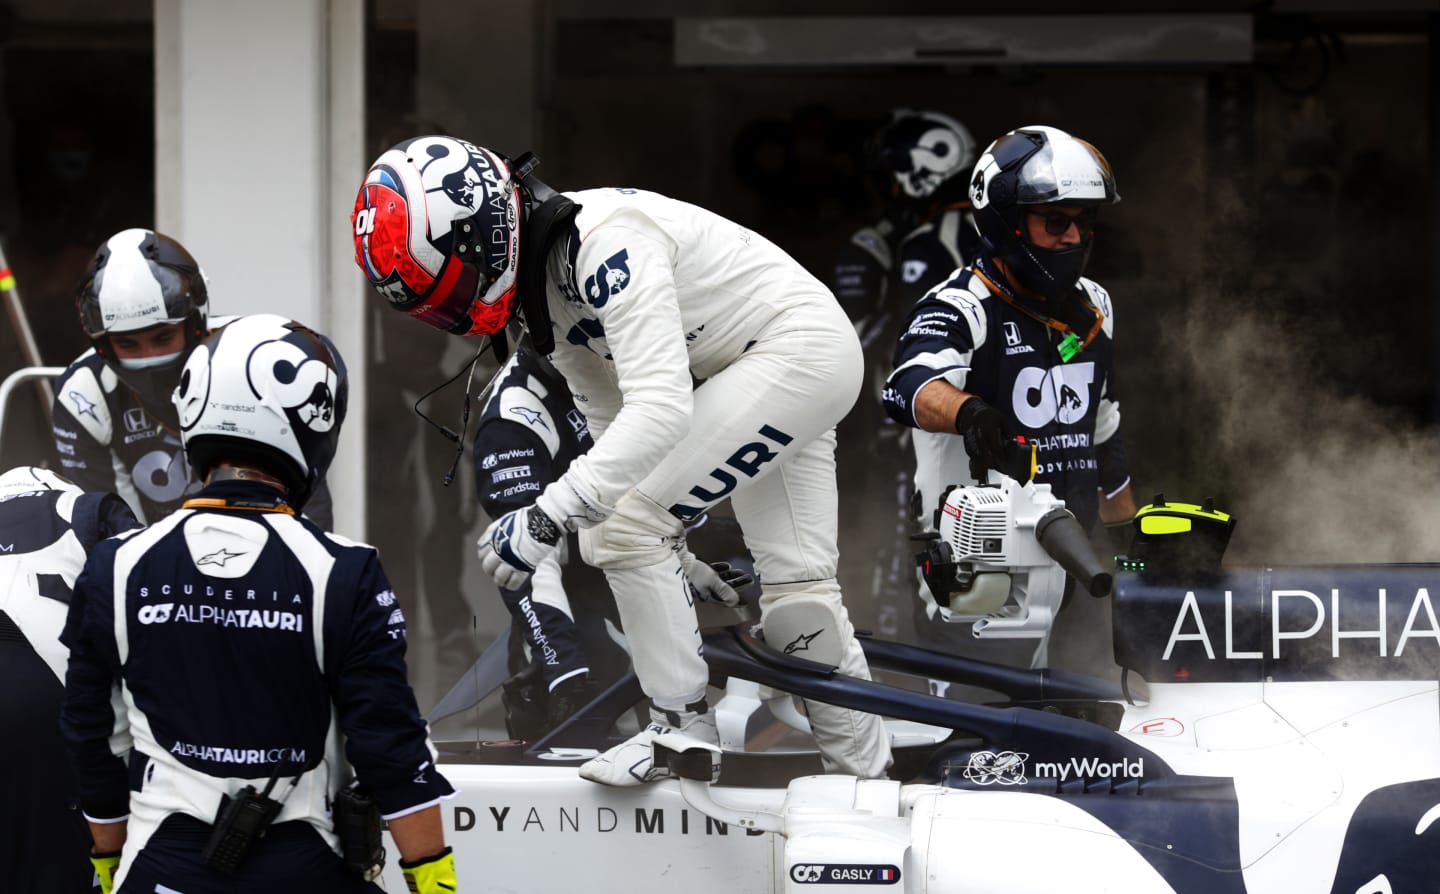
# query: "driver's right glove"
515,543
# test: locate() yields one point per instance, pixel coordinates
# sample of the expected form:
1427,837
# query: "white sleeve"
590,383
628,281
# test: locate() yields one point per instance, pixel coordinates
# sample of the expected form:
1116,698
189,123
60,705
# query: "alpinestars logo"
219,557
802,642
531,417
83,405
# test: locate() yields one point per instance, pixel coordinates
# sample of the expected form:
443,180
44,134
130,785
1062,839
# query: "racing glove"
432,875
106,865
990,442
714,582
515,543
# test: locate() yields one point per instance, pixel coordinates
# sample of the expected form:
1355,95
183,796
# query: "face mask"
136,363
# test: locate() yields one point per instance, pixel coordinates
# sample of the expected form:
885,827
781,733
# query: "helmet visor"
447,305
1068,170
463,302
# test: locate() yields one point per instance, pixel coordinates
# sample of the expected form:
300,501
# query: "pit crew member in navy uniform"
529,433
920,161
919,164
245,643
639,296
144,304
47,526
1019,343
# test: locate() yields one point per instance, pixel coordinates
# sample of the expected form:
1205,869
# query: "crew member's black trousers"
292,858
44,842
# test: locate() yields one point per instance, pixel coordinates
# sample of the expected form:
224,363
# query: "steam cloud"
1314,472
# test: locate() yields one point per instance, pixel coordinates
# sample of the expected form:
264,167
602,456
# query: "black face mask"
154,387
1052,272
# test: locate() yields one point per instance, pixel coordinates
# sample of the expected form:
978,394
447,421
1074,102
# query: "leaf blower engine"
1001,556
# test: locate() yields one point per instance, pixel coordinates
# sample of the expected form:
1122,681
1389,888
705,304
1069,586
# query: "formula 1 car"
1272,730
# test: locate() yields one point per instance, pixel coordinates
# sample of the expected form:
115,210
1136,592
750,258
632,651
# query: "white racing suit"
647,295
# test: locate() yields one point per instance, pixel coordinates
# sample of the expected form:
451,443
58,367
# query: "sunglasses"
1058,224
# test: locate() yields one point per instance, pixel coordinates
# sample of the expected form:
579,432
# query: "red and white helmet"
437,231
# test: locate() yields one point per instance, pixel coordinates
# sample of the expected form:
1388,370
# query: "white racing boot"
632,761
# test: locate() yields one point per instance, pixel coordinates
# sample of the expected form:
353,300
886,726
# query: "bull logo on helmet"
933,159
456,169
318,412
302,384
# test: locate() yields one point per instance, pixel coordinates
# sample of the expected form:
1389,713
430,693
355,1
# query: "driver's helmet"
437,232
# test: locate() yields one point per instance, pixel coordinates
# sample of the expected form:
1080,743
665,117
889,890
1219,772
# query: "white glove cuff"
565,506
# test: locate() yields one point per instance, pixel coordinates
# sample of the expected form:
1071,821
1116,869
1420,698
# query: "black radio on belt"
239,823
357,825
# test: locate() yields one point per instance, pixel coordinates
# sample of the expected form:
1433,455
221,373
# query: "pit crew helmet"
1038,165
919,152
138,279
437,232
265,390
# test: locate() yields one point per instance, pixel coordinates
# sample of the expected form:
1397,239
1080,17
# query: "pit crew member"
1020,343
529,433
47,526
144,304
220,655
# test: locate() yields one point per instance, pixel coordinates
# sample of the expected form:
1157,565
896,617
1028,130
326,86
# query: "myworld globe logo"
1010,768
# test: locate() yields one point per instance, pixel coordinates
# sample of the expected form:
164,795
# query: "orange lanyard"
217,503
1053,323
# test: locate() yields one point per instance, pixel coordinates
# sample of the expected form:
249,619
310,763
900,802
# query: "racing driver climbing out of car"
638,296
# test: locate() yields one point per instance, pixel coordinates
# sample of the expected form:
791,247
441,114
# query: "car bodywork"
1274,729
1270,729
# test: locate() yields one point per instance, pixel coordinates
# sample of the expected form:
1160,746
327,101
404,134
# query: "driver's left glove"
714,581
